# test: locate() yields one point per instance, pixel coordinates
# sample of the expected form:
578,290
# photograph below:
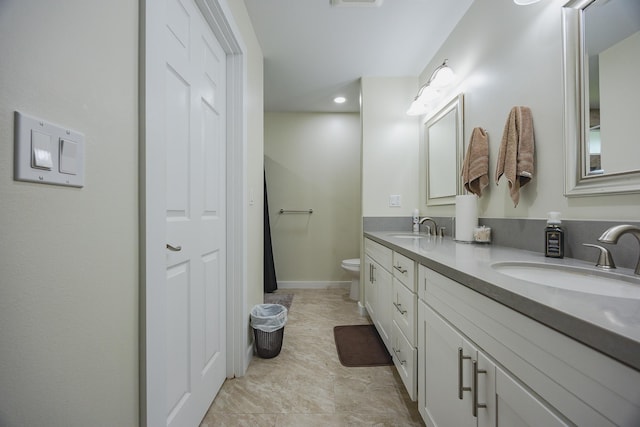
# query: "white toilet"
353,267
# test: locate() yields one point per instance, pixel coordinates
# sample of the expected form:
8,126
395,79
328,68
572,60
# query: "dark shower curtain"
270,283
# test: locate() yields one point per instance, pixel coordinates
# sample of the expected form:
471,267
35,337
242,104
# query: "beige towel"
475,167
515,159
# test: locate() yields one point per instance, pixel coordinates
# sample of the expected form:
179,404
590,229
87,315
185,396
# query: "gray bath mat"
282,299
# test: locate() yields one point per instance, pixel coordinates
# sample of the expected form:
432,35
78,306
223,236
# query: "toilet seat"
353,262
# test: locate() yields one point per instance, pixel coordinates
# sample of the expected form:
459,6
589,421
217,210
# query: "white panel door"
195,214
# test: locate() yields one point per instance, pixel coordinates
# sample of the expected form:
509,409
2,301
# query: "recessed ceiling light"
339,99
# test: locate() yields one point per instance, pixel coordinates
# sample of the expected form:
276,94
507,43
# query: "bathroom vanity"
391,301
475,343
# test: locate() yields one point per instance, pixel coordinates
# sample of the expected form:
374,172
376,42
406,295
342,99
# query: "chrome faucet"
613,234
433,230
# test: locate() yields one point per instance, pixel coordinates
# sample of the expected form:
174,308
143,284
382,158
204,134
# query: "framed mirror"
443,135
601,41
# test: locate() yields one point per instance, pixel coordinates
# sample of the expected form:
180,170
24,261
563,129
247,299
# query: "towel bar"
294,211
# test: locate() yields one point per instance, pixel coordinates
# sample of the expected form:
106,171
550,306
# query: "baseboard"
313,285
248,356
362,310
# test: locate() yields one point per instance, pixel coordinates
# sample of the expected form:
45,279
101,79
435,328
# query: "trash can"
267,321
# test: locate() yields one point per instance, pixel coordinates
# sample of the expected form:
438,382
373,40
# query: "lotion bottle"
416,220
554,236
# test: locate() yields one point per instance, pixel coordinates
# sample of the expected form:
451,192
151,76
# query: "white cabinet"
404,310
405,315
459,385
404,269
405,358
370,294
541,377
391,301
378,288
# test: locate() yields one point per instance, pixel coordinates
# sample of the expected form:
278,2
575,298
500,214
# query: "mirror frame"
456,104
576,114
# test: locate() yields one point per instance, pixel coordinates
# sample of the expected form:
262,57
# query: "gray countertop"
610,325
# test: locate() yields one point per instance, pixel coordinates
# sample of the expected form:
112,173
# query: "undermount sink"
573,278
409,236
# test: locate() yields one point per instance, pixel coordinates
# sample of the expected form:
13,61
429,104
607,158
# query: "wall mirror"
443,135
601,41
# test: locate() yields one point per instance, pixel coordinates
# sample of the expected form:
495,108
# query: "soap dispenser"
416,219
554,236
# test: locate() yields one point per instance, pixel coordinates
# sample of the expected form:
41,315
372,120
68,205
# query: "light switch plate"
394,200
64,163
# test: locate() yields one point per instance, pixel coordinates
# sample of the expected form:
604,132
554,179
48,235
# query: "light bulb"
444,77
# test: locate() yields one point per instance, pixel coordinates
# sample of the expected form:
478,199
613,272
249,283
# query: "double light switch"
47,153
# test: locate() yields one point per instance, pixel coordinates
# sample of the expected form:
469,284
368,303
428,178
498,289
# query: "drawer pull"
399,308
476,405
400,269
461,388
397,351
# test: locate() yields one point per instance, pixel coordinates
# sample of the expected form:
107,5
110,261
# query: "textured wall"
506,55
389,146
313,161
69,257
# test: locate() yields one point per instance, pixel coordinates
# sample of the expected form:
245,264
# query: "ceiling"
314,51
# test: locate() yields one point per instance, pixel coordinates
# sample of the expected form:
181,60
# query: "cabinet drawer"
404,269
380,254
405,358
405,310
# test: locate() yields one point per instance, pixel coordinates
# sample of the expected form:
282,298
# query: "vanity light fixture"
525,2
339,99
440,78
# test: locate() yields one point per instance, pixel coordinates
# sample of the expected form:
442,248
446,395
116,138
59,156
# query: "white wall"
312,161
506,55
69,257
389,146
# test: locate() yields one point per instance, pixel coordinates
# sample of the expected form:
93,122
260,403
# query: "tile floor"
305,385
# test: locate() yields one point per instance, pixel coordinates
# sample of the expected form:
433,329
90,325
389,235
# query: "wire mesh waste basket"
267,321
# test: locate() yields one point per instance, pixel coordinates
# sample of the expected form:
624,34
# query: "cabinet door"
444,397
517,407
423,273
383,307
483,389
370,291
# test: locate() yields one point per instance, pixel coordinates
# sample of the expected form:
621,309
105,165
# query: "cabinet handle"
475,404
398,351
398,307
461,388
370,273
400,269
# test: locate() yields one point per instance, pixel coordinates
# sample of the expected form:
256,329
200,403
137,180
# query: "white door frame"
152,222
